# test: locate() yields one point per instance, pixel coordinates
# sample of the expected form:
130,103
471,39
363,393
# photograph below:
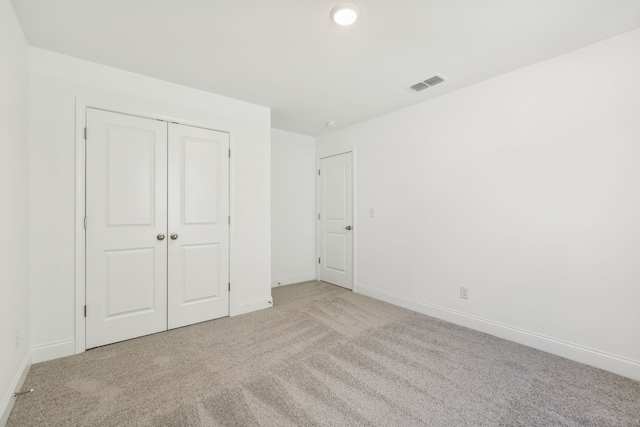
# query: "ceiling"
288,55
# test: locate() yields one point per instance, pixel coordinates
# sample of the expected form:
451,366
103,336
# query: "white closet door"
336,219
126,209
198,245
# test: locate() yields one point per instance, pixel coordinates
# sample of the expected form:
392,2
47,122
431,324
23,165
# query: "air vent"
419,86
432,81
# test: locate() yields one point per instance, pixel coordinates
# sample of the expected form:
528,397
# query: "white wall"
525,188
55,82
293,208
14,208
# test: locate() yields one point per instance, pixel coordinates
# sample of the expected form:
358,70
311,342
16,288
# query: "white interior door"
198,225
157,231
126,211
336,220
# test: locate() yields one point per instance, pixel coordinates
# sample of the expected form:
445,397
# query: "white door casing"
126,209
147,180
336,220
198,266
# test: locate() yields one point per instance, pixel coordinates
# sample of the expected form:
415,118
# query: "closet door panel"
126,210
198,249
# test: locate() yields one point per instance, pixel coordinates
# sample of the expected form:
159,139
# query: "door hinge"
229,152
85,311
318,218
85,133
318,169
318,260
229,286
229,219
85,222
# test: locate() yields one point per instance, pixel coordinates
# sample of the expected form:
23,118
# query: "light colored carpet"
323,356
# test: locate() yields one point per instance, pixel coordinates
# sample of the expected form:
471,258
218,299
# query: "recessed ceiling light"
331,124
345,14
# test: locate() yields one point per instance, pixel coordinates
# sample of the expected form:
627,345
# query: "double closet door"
157,233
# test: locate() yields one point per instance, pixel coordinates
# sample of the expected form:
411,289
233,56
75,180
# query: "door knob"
348,227
173,236
160,236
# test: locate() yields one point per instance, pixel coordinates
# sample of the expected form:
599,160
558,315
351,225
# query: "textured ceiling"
288,55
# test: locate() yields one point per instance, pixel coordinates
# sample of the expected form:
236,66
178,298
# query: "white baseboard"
609,362
289,280
251,305
16,385
54,350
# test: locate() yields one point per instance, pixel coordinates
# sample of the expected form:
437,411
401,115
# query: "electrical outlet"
464,292
372,213
17,338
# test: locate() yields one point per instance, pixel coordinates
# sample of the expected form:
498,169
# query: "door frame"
353,212
81,106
